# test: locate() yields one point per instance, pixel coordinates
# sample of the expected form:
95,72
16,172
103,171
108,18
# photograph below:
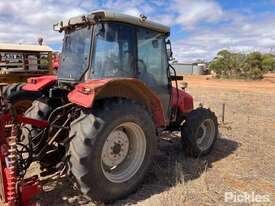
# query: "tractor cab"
109,45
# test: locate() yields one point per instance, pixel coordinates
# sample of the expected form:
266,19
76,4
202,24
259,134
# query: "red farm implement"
14,189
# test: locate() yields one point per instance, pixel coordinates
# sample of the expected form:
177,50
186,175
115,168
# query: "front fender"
184,101
36,84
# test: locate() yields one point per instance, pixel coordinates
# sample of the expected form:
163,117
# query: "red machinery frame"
85,93
15,190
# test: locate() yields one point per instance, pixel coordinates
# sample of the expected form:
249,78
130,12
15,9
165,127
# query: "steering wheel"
117,70
144,67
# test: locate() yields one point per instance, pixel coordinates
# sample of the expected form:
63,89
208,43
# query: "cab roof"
103,15
24,47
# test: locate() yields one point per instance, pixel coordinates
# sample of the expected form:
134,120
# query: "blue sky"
199,28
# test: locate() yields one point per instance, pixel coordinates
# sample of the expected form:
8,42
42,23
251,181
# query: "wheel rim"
206,134
22,106
123,152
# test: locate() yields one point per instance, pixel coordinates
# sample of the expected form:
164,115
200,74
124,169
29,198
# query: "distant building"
190,68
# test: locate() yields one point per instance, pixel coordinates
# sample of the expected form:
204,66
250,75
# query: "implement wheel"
112,149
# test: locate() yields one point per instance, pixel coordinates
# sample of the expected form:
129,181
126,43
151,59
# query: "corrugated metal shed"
190,68
185,68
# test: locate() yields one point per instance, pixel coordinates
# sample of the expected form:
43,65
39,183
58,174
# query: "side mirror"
169,49
57,26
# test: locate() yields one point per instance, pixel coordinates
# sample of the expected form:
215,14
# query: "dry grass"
241,160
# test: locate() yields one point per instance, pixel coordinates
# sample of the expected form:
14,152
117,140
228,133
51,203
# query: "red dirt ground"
242,159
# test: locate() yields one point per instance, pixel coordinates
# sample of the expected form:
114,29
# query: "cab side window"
152,58
152,63
114,52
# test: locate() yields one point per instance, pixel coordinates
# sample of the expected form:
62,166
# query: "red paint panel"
55,61
3,176
185,101
28,189
20,119
5,118
157,110
84,93
79,98
38,83
34,122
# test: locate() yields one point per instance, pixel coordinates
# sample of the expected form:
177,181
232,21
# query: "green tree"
253,67
217,66
226,64
237,65
268,62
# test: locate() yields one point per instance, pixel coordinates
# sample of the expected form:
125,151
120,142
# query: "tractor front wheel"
112,148
199,132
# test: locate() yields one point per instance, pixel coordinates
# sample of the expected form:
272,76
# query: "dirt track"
242,159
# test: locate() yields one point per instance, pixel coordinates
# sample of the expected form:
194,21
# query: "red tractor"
55,60
100,118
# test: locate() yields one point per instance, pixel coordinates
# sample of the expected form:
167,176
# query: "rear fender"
86,93
36,84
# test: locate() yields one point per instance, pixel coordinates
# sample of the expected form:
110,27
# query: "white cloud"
25,20
193,12
204,43
166,19
132,12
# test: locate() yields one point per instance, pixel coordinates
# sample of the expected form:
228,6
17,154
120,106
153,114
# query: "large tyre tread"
14,94
193,121
39,110
14,87
87,129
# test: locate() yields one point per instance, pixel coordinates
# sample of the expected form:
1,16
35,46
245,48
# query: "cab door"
152,64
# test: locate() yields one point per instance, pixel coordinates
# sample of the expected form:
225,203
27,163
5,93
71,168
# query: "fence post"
223,111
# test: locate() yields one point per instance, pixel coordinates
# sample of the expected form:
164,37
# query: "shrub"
246,66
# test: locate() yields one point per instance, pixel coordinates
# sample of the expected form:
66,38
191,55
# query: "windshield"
75,53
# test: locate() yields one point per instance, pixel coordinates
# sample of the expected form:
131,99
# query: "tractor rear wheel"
112,149
20,99
199,132
40,111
